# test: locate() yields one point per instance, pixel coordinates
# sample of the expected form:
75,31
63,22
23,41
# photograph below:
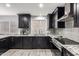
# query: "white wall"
9,24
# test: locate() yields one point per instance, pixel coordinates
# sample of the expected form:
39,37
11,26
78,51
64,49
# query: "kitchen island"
72,50
39,43
10,42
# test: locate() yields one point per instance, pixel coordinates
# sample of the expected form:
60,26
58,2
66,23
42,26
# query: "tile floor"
32,52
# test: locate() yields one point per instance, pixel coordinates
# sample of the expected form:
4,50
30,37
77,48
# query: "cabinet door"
46,42
36,43
50,21
16,43
3,43
6,42
60,12
50,16
40,43
9,42
27,42
24,20
66,52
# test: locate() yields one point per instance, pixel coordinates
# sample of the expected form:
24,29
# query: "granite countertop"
4,36
74,49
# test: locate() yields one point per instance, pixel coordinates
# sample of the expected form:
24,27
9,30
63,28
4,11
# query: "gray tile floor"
32,52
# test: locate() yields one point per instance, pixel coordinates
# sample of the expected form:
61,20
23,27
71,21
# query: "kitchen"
39,29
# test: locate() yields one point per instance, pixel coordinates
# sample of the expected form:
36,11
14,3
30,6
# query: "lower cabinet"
66,52
10,42
16,42
35,42
3,45
27,42
40,43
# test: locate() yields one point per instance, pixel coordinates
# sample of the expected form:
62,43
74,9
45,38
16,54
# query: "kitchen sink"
66,41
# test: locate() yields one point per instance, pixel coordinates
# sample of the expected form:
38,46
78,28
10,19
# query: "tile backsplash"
71,33
38,26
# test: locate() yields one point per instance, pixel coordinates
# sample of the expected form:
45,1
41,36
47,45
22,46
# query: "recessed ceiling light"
41,5
8,5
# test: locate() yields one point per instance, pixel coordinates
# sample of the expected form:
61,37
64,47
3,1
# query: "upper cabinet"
54,16
66,16
58,14
49,21
61,24
60,11
24,20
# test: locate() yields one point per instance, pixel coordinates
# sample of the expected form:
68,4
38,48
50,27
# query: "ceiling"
32,8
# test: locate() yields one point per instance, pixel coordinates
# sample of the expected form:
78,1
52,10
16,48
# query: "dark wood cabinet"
24,20
65,52
21,43
3,45
54,16
9,42
27,42
16,43
61,24
50,21
38,43
41,43
61,11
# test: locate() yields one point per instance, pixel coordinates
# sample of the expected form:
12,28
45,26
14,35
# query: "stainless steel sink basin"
67,41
